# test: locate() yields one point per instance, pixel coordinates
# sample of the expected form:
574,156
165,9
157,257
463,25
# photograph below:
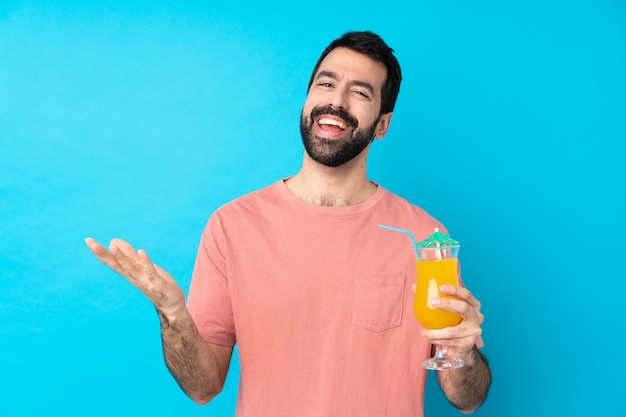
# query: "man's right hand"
152,280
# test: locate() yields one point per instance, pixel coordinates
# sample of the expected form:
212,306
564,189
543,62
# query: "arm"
466,387
198,367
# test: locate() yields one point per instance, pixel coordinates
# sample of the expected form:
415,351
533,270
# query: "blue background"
138,120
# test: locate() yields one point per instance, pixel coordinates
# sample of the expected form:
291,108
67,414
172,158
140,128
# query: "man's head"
372,45
350,99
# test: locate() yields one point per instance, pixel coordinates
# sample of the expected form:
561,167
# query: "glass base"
442,364
442,361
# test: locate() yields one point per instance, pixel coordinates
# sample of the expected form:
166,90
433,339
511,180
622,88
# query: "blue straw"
406,232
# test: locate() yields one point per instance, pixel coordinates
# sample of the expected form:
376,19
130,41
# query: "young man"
298,274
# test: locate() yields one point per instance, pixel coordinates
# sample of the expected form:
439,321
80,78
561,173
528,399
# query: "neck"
345,185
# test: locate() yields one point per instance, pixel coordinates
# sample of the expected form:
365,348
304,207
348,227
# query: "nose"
338,99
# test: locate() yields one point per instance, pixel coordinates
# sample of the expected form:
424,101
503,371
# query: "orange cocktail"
432,274
437,265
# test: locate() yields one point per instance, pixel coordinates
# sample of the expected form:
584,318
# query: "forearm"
199,368
466,388
193,363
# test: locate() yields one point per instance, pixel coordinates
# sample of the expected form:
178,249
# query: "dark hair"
372,45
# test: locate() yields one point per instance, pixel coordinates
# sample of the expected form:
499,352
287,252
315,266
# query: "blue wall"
139,119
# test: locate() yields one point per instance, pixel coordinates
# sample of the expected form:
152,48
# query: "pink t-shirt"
318,300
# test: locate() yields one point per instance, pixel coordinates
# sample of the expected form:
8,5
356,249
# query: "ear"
383,125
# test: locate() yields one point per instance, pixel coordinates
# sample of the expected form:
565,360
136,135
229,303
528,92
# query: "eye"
361,93
325,84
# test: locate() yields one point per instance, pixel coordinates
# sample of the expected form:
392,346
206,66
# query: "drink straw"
406,232
438,252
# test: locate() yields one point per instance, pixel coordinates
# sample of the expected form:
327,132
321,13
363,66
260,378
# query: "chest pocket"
377,301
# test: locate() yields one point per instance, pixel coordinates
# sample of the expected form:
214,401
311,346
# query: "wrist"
471,357
173,315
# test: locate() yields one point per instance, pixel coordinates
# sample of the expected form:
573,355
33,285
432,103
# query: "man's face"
341,114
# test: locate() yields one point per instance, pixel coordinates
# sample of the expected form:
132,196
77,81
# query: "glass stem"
440,352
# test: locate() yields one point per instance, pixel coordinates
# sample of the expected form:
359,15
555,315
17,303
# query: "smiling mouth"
324,121
333,121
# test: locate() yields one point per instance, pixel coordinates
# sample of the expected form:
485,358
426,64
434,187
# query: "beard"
334,152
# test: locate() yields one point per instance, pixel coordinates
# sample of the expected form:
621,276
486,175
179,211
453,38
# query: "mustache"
341,113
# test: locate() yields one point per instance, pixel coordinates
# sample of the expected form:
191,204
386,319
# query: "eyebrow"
364,84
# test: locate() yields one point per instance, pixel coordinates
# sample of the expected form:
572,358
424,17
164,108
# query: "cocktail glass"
437,265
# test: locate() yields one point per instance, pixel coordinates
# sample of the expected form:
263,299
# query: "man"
317,297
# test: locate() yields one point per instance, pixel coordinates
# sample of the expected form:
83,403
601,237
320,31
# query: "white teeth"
325,121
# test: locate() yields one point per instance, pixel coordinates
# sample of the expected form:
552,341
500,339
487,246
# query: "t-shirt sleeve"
209,301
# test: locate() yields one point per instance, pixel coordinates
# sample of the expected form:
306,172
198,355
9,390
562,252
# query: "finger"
451,336
126,256
102,254
94,246
144,256
454,305
123,247
137,264
439,336
461,293
149,269
454,290
460,344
